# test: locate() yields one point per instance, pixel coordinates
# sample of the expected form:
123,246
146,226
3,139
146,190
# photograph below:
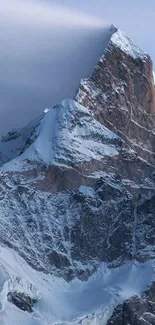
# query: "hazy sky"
135,17
48,45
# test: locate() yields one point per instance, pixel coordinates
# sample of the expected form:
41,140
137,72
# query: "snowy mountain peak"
77,201
121,40
66,134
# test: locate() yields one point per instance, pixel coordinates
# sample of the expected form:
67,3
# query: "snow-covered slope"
67,134
13,143
123,42
59,302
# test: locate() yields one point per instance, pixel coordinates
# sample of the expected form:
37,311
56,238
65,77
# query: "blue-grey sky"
48,45
134,17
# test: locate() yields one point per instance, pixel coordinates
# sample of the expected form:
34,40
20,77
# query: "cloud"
45,50
38,12
47,46
135,18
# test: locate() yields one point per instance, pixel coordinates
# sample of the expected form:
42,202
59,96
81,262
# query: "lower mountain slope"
77,197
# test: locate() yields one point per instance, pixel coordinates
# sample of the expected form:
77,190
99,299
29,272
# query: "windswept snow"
62,302
119,39
67,134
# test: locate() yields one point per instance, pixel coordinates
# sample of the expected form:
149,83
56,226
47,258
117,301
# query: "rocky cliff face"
121,94
77,199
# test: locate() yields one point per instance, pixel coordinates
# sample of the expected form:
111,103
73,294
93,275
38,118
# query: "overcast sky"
48,45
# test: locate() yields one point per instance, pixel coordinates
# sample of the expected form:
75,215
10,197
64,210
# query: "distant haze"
135,18
46,48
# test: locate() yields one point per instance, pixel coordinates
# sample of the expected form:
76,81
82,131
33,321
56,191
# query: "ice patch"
87,191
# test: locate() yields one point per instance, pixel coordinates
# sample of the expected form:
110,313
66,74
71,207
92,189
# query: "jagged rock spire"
121,94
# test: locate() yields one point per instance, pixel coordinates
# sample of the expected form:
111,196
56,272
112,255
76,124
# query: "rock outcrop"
140,310
21,301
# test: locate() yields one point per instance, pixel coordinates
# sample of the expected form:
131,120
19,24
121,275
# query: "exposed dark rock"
21,301
136,311
58,260
10,136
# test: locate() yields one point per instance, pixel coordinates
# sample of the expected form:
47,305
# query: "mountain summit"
77,202
121,94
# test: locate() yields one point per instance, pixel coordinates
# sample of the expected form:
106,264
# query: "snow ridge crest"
67,134
120,40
